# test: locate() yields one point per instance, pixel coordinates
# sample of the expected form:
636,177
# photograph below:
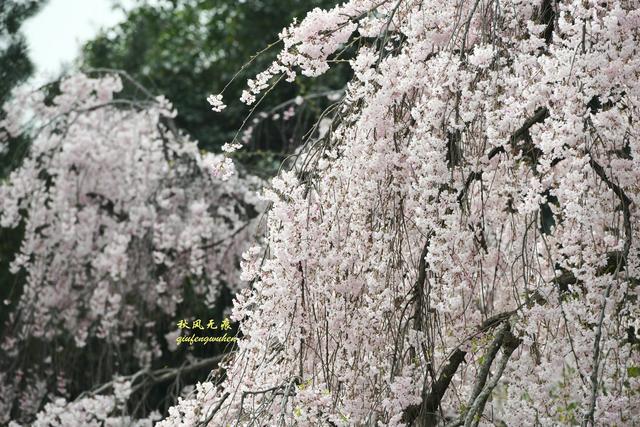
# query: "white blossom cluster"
465,248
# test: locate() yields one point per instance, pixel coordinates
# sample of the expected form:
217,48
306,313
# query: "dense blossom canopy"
462,246
121,222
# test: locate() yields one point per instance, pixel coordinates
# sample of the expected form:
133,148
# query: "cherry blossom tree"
461,246
126,227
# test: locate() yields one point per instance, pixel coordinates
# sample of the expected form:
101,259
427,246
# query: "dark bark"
426,413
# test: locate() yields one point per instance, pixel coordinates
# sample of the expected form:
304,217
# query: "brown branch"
472,177
488,359
425,413
162,375
523,132
624,200
419,286
155,377
214,410
510,343
547,17
626,212
615,261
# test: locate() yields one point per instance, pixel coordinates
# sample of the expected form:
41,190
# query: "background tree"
16,65
125,234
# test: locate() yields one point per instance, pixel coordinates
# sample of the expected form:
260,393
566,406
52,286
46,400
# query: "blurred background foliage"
15,69
188,49
16,65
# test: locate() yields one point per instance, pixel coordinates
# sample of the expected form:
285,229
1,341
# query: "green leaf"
633,371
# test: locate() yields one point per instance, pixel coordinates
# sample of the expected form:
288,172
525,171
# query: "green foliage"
11,284
15,65
189,49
